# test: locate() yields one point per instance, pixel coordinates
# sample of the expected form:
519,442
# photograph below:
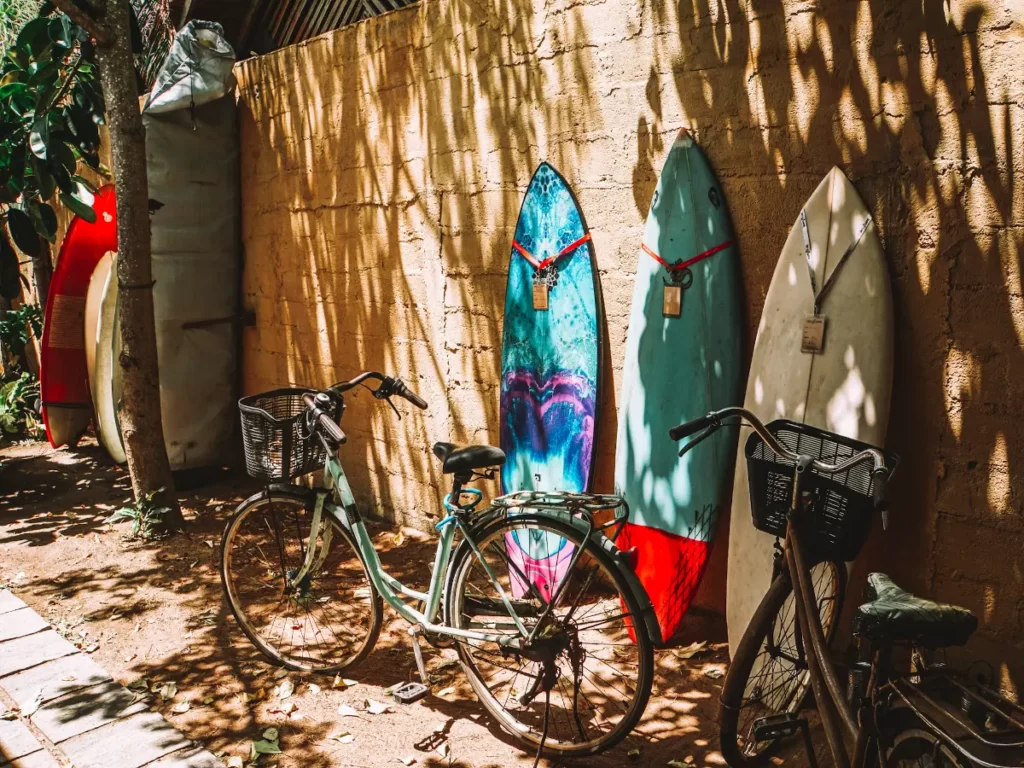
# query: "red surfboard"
63,374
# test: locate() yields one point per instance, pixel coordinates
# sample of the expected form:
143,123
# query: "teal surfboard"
549,366
683,359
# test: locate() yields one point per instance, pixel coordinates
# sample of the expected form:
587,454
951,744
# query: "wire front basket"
842,505
277,446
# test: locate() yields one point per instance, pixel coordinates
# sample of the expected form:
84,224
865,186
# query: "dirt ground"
155,611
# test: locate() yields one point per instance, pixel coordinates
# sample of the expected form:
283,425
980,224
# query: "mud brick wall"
383,166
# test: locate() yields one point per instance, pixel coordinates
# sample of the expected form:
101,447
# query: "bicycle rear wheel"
768,674
326,622
599,667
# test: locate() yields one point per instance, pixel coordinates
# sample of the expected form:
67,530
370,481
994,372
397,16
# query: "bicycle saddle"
894,615
464,458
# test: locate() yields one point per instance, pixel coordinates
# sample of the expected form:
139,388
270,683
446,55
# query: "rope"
538,265
689,262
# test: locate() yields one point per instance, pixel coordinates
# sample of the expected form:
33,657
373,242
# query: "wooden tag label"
540,296
672,301
813,340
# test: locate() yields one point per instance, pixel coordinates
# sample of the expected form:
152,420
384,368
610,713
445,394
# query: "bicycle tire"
735,686
496,531
911,743
341,543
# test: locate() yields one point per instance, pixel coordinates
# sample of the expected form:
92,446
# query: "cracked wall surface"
383,167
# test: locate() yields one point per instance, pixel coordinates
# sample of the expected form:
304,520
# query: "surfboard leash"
540,265
679,265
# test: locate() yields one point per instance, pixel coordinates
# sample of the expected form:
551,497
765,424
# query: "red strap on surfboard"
688,262
550,259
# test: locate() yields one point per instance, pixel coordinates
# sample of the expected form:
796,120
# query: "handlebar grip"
687,429
331,430
879,480
408,394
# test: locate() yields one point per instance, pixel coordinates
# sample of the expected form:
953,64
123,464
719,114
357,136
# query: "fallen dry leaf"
691,650
445,692
285,689
344,737
346,711
375,707
181,707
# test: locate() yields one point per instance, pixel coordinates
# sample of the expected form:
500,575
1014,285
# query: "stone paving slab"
9,602
21,622
16,740
80,710
84,710
40,759
24,652
189,758
54,678
129,743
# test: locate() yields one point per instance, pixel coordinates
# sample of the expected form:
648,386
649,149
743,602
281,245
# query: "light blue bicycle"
570,675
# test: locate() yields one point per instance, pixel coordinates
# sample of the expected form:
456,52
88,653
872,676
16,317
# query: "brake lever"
393,408
708,432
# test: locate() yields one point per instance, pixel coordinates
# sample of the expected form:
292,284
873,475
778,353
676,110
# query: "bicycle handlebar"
687,429
713,420
388,386
331,430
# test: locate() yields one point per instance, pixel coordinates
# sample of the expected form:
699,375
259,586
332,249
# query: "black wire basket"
277,445
842,507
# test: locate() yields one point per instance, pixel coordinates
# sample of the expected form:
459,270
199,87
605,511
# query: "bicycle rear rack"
971,718
593,507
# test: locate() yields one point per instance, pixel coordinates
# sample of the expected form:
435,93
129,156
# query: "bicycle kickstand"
416,631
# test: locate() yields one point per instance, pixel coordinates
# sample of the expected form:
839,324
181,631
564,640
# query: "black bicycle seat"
465,458
894,615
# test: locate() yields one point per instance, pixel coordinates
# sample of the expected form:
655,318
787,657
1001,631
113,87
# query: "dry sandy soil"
155,611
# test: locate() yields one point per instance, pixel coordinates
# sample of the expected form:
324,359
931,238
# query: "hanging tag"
813,340
672,301
540,296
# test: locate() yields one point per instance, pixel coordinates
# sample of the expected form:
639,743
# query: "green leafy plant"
146,515
18,326
51,106
14,14
18,415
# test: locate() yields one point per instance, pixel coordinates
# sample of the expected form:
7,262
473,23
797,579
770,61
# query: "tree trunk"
139,409
42,271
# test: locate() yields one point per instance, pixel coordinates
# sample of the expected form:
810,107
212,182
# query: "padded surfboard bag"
192,157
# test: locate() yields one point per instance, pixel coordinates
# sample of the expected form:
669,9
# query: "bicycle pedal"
778,726
410,692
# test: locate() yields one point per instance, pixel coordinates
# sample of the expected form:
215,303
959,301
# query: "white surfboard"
845,388
101,375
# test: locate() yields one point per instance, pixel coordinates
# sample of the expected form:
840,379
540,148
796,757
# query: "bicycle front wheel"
326,621
584,684
768,675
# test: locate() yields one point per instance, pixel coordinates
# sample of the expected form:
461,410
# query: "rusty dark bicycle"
819,492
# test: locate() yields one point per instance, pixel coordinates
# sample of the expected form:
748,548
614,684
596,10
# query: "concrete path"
72,713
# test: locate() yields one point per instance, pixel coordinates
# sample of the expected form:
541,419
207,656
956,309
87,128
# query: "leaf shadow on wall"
915,102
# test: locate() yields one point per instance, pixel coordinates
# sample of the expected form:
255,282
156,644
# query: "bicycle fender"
617,556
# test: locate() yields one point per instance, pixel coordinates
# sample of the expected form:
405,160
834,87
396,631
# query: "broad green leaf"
12,89
61,31
77,207
45,182
10,284
81,180
39,137
30,32
23,231
45,220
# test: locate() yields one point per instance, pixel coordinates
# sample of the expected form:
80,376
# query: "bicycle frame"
335,500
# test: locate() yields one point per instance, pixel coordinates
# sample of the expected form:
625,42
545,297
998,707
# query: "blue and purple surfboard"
549,366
